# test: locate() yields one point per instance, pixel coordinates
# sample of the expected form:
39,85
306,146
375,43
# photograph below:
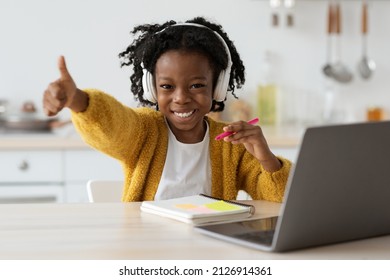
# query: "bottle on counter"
374,113
267,93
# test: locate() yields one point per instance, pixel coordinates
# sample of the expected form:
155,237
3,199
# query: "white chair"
104,191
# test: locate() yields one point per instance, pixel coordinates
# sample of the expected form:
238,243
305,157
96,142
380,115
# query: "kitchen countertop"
67,138
63,138
34,141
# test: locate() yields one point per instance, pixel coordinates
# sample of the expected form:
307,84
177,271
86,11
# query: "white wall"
91,34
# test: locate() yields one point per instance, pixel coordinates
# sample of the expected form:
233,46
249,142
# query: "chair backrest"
104,191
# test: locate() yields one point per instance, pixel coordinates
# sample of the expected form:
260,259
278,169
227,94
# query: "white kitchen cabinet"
36,166
83,165
52,175
90,164
32,193
76,192
29,176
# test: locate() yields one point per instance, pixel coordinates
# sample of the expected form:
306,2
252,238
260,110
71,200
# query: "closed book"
199,209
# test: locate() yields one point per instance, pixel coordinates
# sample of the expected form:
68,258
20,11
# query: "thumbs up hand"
63,93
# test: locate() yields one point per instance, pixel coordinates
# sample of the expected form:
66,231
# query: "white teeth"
184,115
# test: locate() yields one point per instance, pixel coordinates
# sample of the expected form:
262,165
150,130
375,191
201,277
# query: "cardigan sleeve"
137,137
262,184
107,125
272,185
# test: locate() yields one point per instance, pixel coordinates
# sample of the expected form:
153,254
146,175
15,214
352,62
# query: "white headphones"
222,82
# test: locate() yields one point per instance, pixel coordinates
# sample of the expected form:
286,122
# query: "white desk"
121,231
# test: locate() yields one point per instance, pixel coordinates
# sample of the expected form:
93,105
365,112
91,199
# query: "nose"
181,95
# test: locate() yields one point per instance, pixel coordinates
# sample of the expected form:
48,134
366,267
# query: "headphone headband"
222,82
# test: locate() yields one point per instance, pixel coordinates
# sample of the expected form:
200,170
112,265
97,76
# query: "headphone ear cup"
147,84
222,86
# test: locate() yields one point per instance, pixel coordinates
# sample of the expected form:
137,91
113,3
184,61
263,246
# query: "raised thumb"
63,70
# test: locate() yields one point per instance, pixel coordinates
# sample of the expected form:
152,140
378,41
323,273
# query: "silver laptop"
338,190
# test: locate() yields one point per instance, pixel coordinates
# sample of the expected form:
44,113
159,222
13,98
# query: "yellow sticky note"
222,206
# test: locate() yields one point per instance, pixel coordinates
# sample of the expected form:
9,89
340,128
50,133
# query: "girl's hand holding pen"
251,136
227,133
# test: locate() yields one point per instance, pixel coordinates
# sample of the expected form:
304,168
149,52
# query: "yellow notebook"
199,209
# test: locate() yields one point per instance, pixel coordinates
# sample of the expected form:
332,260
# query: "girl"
167,149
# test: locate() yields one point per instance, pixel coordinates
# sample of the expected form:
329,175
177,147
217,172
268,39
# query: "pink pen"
227,133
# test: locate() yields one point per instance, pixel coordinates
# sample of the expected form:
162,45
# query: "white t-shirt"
187,169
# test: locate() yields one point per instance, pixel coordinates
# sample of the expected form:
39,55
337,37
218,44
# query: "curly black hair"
152,40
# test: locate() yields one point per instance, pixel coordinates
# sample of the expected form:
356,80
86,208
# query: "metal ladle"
327,69
339,71
366,65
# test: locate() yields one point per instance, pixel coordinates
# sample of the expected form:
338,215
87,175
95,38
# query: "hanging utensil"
289,5
339,71
327,69
275,4
366,65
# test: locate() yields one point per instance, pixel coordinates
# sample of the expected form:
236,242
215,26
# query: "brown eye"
197,86
166,86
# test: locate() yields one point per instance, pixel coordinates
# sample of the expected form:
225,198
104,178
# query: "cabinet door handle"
24,165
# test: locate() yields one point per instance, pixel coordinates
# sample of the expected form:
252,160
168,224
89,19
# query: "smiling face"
184,86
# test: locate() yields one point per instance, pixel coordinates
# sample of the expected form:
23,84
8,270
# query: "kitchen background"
292,51
283,46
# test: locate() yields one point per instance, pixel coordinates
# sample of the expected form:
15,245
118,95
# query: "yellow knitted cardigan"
138,138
